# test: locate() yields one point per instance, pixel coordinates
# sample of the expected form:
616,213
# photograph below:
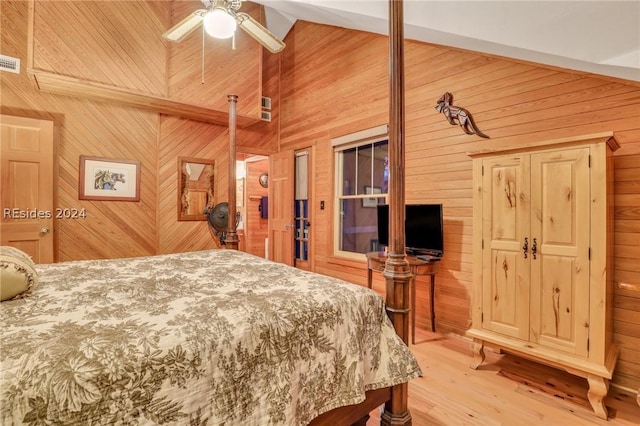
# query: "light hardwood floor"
451,393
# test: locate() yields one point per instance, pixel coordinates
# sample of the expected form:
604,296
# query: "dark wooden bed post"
397,272
232,234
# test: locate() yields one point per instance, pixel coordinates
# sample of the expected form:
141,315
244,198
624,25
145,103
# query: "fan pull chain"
202,78
233,41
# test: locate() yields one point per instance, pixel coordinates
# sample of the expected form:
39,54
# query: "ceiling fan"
220,19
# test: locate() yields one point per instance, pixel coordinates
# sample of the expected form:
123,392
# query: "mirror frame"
182,183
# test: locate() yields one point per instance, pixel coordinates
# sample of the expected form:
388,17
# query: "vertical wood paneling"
334,81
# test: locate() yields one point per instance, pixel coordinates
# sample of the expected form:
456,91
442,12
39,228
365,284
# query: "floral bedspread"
211,337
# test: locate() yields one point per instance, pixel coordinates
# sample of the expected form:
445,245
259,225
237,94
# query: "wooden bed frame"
396,273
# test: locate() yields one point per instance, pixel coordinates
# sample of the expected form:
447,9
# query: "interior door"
560,231
26,162
281,179
506,216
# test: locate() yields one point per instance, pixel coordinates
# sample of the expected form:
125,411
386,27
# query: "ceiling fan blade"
185,27
260,33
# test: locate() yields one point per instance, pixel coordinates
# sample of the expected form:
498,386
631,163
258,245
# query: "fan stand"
223,237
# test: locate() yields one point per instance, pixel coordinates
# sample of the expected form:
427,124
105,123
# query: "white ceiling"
602,37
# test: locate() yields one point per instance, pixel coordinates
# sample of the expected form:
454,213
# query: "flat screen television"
422,226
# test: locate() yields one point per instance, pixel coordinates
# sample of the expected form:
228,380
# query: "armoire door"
560,233
505,275
27,184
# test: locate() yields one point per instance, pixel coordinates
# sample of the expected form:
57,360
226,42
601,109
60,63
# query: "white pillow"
18,276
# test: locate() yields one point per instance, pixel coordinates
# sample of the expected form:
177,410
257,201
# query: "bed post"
397,273
232,234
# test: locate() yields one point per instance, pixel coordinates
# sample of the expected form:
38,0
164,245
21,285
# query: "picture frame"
371,202
108,179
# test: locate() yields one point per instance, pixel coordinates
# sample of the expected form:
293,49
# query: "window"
361,183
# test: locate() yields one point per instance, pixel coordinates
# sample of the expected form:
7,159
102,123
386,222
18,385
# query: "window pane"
381,166
359,232
349,157
302,176
365,153
364,173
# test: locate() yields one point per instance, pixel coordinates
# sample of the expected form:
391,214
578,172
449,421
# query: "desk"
417,267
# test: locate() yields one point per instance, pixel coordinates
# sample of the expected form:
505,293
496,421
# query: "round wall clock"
264,180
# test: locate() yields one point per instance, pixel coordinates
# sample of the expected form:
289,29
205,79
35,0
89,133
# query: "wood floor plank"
451,393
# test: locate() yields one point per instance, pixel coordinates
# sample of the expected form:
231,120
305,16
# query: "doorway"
252,202
290,216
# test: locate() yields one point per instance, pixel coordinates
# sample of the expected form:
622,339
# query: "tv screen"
423,228
383,224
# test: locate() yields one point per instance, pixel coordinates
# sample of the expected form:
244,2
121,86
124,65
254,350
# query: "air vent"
7,63
265,103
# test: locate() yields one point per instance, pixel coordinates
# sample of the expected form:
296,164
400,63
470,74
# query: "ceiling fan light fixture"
219,23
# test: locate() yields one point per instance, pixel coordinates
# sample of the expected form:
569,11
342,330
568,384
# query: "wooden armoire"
542,257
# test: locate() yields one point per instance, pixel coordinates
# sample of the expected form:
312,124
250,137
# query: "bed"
219,336
397,272
99,343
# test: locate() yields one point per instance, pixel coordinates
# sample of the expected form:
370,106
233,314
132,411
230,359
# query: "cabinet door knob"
44,230
525,247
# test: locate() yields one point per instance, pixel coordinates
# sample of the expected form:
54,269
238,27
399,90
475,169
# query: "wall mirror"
196,178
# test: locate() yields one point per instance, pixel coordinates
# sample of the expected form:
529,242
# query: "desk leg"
413,310
369,277
431,297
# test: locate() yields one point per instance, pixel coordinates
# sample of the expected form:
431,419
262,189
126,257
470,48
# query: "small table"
376,261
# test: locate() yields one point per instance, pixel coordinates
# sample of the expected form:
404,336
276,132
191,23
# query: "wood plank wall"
186,138
334,82
111,228
226,72
124,49
97,42
264,137
120,44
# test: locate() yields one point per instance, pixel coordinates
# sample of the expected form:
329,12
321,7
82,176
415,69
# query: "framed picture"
371,202
108,179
